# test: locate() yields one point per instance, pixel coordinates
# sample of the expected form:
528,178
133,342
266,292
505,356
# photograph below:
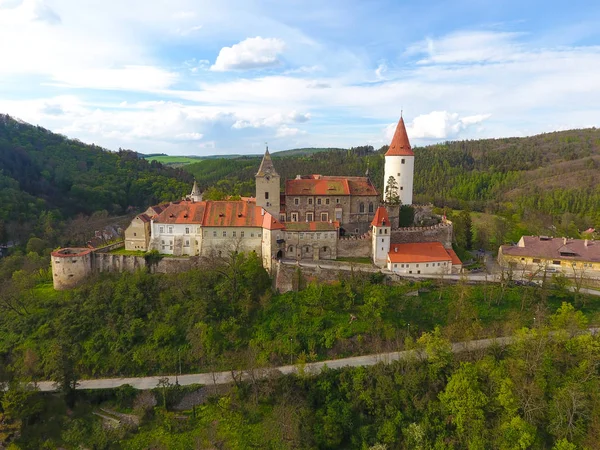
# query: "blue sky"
203,77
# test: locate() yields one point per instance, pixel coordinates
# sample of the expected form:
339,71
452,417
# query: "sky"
196,77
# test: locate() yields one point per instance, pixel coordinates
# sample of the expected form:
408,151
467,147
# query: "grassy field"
357,260
174,160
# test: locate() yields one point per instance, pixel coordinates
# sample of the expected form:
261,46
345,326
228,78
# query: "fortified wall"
436,233
354,246
70,266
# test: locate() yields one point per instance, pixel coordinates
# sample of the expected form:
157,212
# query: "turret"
400,165
268,186
196,195
381,237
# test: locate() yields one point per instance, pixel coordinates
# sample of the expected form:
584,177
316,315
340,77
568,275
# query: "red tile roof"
381,218
400,145
455,259
329,185
420,252
312,226
238,213
144,218
182,212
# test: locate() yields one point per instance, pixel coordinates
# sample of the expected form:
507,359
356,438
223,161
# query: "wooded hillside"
44,173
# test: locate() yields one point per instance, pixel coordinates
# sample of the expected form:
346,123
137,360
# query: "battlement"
367,235
446,224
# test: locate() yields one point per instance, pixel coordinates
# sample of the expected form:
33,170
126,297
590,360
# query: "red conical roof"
400,145
381,218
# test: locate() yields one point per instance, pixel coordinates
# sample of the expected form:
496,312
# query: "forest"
540,393
47,179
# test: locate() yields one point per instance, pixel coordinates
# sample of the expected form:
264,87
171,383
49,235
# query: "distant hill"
46,178
303,151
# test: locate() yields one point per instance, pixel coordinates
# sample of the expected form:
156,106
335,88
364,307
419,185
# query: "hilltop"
46,178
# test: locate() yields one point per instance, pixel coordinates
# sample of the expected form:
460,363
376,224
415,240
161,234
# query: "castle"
315,218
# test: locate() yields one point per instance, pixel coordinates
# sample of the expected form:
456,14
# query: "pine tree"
391,192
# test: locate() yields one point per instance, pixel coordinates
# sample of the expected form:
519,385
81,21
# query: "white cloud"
189,30
251,53
438,125
133,78
183,15
468,47
381,69
189,136
285,131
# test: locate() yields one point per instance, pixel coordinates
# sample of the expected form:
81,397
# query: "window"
395,266
294,217
241,234
324,249
385,231
324,217
556,262
380,231
537,260
310,217
318,235
318,201
282,217
214,234
402,161
401,188
234,233
426,265
135,234
266,196
224,233
327,201
310,201
382,240
337,200
361,208
307,249
291,249
370,207
296,201
187,230
186,243
251,234
162,242
417,265
301,236
170,230
161,229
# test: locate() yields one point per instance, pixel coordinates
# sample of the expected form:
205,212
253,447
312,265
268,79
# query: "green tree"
464,400
391,192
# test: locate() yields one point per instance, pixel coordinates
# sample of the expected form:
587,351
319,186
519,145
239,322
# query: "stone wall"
437,233
354,247
293,278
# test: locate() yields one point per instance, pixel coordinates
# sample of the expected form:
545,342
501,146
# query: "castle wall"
354,246
437,233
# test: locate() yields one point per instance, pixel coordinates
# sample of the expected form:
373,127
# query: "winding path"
227,377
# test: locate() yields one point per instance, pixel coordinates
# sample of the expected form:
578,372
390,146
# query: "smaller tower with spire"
268,186
196,195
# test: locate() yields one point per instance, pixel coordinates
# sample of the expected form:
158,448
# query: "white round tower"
399,165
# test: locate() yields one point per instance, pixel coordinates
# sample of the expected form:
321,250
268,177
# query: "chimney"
262,212
586,243
395,249
564,241
298,177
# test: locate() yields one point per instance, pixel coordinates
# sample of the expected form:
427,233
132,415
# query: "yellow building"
538,254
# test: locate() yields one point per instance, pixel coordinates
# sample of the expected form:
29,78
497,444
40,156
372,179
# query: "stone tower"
268,186
400,164
196,195
381,230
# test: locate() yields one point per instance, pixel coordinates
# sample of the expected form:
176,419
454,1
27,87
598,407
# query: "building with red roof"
427,258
